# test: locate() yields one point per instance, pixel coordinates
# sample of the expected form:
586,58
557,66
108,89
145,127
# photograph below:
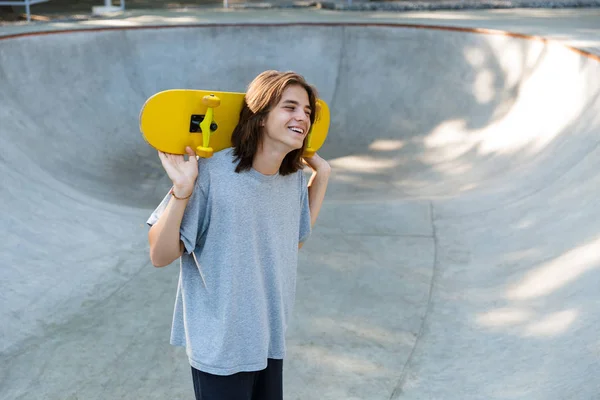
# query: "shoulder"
301,180
222,160
218,172
301,175
219,162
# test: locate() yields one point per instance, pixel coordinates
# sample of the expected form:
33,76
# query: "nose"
301,115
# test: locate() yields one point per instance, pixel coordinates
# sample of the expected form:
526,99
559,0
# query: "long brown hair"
263,94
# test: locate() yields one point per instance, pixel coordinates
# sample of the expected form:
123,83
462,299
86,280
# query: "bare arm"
164,239
317,186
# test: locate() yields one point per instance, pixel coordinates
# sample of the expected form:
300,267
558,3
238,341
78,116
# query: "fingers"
190,152
177,160
162,156
165,156
169,156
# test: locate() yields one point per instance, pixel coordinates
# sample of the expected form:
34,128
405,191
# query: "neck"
267,160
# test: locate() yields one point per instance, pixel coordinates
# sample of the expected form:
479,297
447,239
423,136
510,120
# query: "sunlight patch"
553,324
364,164
330,360
386,145
504,317
474,56
555,274
483,89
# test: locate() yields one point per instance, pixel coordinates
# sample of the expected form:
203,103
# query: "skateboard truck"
207,125
195,123
308,150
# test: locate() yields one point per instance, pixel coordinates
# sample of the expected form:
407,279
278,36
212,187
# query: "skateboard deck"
173,119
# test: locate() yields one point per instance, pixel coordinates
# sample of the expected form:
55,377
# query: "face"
288,122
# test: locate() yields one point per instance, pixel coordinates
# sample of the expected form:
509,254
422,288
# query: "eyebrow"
295,103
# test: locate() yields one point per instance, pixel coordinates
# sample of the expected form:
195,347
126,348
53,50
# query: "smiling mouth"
297,130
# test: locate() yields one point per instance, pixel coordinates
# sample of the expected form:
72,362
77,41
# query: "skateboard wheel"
204,152
211,101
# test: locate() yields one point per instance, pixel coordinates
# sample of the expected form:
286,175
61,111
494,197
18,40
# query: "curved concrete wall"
456,256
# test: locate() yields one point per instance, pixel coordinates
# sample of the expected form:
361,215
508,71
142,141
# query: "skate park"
457,253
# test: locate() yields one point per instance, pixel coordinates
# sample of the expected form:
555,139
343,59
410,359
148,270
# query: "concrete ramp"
457,255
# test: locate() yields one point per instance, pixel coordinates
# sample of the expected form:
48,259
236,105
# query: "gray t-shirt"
237,277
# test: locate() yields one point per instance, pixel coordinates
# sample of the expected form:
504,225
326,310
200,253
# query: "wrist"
181,193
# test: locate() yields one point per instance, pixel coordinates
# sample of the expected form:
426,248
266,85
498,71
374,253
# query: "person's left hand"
318,164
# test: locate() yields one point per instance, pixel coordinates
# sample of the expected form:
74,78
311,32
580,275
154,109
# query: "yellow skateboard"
173,119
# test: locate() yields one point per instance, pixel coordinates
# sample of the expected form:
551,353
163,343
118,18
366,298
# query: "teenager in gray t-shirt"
236,220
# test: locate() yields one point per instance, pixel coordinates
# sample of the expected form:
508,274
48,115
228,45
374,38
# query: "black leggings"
260,385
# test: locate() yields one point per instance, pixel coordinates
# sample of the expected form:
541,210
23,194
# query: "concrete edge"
483,31
450,5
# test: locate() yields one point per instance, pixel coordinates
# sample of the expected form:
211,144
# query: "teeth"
297,130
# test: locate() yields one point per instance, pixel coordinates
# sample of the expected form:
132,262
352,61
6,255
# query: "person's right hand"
183,173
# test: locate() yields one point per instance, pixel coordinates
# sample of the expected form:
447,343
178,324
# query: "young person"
236,222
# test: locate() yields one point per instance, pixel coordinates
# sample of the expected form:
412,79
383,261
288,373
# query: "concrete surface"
456,257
